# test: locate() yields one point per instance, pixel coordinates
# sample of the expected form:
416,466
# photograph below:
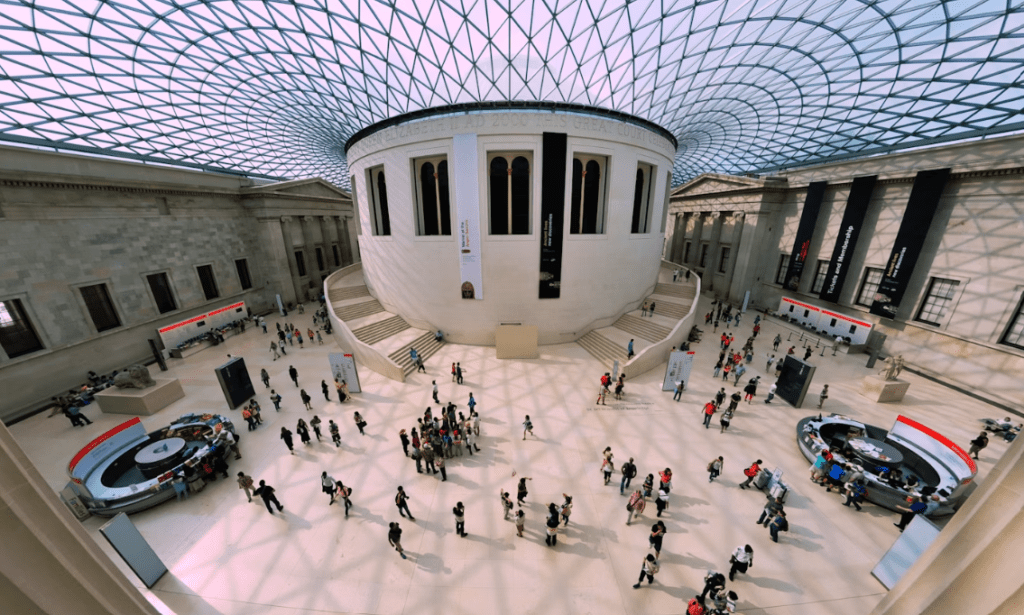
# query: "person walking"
520,519
303,430
738,372
266,492
287,437
405,442
709,411
343,492
323,387
327,486
460,519
528,427
771,392
778,524
628,474
453,372
607,467
855,492
602,390
522,492
978,444
360,423
506,502
402,502
650,310
247,415
629,350
715,468
440,466
768,364
643,310
552,525
662,502
658,531
776,342
725,420
741,560
751,473
726,369
263,323
436,400
335,432
823,396
458,373
649,569
566,508
648,486
750,390
315,424
276,399
718,368
245,483
265,377
293,374
678,391
273,350
635,506
428,458
395,538
720,397
306,399
714,582
769,510
923,505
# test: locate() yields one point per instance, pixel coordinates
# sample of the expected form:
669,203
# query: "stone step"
425,346
347,292
371,334
670,309
642,327
358,310
603,349
683,291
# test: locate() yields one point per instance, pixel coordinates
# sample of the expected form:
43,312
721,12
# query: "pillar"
51,566
711,264
344,243
278,262
298,289
735,244
974,564
698,229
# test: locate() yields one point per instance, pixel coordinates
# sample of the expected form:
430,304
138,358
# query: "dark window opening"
161,288
100,307
208,281
17,336
243,273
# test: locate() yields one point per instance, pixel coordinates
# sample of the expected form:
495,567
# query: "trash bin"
74,503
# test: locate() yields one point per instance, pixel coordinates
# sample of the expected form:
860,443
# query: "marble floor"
226,555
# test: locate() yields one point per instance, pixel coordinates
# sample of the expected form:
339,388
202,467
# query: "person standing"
453,372
650,311
327,486
460,519
751,473
440,466
808,352
855,492
635,506
436,400
315,424
643,310
395,538
552,525
522,492
715,468
657,536
520,522
458,373
679,391
247,415
402,502
528,427
323,387
978,444
287,437
273,350
306,399
566,508
629,350
293,374
263,323
303,430
823,396
245,483
648,486
768,365
778,524
771,392
428,458
649,569
405,442
742,559
265,377
628,474
506,502
922,506
266,492
776,342
276,398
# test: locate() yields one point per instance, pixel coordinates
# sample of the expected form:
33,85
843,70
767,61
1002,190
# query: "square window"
17,336
509,189
433,202
587,201
869,286
100,307
940,293
244,280
208,281
162,295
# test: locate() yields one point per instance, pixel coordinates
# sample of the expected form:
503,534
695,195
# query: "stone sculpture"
893,367
135,377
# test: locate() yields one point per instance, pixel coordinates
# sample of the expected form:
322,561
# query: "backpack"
694,608
653,567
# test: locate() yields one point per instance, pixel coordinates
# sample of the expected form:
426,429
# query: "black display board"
849,231
235,382
552,212
794,381
924,199
804,234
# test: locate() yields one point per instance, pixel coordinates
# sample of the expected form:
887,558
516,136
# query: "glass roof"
276,88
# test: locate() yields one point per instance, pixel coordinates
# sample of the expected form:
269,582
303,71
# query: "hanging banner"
343,366
849,231
552,212
679,364
467,204
804,234
924,199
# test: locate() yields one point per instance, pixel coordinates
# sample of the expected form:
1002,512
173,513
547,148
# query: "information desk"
876,452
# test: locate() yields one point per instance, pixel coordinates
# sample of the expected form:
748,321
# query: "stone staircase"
669,309
683,291
378,331
425,346
347,292
642,327
602,348
358,310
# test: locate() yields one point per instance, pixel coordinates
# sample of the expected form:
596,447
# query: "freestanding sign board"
794,381
679,364
343,366
122,534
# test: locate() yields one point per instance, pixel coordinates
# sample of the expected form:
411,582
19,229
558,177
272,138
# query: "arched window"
642,199
433,216
380,219
586,214
510,188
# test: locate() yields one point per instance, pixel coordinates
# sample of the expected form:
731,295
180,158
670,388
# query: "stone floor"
226,555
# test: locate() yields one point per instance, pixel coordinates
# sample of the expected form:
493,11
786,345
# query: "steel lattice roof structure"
276,88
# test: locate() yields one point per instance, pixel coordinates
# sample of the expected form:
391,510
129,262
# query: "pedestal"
140,401
516,342
881,390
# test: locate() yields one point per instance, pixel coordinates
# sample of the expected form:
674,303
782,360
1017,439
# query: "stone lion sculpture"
135,377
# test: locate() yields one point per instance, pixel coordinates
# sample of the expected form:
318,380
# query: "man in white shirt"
771,392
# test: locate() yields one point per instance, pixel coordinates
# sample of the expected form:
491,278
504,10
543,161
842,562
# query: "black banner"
552,208
924,198
804,234
849,230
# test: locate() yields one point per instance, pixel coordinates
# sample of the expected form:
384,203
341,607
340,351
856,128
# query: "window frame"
820,275
213,277
576,213
170,289
702,257
943,315
377,201
439,194
320,262
300,263
337,254
643,195
783,268
687,244
1016,318
865,282
248,274
87,309
510,156
29,317
724,252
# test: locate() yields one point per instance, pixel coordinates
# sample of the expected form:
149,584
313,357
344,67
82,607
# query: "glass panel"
243,274
592,193
499,196
428,195
208,282
445,205
1015,331
101,308
382,195
520,196
300,263
161,287
638,203
577,191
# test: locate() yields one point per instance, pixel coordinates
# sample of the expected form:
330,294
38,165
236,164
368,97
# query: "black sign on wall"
849,231
924,198
804,234
552,208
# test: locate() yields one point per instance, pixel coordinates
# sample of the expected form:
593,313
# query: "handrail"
364,353
657,353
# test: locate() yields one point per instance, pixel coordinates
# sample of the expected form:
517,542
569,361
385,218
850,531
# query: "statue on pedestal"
135,377
893,367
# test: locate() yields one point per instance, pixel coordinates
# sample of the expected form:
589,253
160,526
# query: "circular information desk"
876,452
166,453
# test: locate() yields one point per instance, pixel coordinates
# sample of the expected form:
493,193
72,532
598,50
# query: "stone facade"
976,239
71,221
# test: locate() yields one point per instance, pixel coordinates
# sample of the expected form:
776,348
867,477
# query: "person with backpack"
276,398
751,473
855,492
628,474
402,502
715,468
335,433
978,444
635,506
778,524
649,569
528,427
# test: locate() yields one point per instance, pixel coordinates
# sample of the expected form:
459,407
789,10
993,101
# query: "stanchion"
822,352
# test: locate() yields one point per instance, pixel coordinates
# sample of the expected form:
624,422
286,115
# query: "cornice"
100,187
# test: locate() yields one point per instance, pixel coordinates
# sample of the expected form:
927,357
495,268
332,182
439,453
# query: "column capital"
309,218
286,218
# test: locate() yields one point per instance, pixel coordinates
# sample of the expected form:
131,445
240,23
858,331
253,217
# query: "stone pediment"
314,187
709,183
